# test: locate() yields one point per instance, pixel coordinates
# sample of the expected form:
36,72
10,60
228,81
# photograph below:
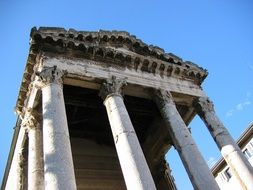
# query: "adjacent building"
222,172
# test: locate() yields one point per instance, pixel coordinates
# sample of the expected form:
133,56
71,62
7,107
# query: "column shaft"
232,154
15,175
132,160
58,162
35,159
192,159
133,163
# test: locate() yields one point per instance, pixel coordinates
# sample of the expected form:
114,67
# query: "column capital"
112,86
162,97
50,75
203,104
31,119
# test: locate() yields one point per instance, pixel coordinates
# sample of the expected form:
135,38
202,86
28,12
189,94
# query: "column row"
56,156
50,163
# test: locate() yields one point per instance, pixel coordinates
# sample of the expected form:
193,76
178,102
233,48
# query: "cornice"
116,47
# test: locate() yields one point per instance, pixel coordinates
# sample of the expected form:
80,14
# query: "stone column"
192,159
132,161
58,162
35,150
232,154
15,176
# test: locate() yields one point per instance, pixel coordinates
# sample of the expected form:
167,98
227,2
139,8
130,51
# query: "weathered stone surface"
192,159
132,161
35,158
50,75
31,122
115,48
91,58
15,174
58,162
230,151
112,86
81,72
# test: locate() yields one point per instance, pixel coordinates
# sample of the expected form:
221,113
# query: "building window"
247,153
228,173
222,176
250,145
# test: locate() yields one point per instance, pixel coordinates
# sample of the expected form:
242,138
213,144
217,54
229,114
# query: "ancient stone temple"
99,110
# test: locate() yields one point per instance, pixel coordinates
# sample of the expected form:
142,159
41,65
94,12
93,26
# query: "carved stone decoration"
122,50
133,163
237,162
57,149
205,109
31,118
203,104
50,75
162,97
31,122
191,157
112,86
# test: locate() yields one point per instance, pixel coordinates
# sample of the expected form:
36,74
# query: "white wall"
227,183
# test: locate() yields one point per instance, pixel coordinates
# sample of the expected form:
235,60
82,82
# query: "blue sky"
217,35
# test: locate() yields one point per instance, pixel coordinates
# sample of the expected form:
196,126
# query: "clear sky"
217,35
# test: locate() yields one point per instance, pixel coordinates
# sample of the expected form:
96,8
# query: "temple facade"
99,110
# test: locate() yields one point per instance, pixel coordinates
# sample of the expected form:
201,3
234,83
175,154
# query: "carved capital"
112,86
162,97
203,105
50,75
31,119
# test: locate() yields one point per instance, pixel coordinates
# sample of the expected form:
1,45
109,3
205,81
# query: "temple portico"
99,110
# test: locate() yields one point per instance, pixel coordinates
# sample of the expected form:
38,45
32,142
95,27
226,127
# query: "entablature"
84,72
90,57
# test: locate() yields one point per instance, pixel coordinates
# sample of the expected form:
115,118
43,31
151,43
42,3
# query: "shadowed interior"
94,154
